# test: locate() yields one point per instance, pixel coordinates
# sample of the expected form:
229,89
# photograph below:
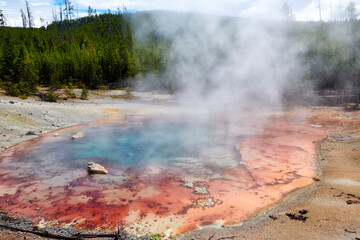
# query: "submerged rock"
200,190
316,126
95,168
205,202
78,135
188,184
197,189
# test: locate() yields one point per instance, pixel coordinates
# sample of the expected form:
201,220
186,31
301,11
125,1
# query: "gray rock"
30,133
188,184
205,202
200,190
95,168
78,135
342,138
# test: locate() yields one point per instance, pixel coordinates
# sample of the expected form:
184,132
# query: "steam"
229,70
223,63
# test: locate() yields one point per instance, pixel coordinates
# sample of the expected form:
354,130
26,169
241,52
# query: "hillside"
161,50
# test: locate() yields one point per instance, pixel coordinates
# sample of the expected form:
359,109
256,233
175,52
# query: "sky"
304,10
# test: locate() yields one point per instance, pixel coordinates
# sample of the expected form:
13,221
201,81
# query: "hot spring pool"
165,176
148,143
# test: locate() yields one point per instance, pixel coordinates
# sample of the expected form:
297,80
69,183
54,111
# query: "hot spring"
141,144
165,176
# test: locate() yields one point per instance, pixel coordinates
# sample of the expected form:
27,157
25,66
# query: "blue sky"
262,9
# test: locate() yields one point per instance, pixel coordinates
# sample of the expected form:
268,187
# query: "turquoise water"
137,143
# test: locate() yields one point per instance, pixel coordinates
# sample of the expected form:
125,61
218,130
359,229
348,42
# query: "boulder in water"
188,184
95,168
200,190
78,135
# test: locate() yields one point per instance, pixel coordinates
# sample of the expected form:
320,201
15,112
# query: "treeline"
92,51
328,57
331,57
122,49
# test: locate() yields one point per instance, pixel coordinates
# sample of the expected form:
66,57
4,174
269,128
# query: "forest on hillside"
124,49
95,51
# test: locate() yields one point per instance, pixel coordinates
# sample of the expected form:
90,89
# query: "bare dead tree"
307,13
319,6
331,8
54,15
30,19
54,21
124,11
340,11
352,15
42,21
61,23
68,14
23,18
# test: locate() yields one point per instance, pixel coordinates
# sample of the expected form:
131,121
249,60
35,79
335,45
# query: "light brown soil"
12,235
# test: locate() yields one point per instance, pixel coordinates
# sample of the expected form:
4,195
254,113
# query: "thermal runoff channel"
166,174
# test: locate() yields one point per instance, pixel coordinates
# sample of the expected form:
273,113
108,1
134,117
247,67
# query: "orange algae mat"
268,162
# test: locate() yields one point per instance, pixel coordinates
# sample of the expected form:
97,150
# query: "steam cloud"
228,63
229,68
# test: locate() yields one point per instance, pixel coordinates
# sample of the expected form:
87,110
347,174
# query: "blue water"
140,143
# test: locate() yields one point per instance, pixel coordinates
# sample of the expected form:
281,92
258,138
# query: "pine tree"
68,15
8,59
30,20
2,19
287,12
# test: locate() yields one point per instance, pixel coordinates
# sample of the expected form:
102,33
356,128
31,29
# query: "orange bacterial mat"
165,180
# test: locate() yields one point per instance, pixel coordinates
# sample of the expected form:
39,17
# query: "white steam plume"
228,63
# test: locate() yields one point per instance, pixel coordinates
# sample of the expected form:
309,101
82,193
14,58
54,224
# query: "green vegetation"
51,97
128,94
69,93
13,90
96,50
124,96
108,50
23,96
155,236
84,93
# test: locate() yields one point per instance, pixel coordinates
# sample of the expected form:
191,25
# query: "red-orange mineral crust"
151,199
